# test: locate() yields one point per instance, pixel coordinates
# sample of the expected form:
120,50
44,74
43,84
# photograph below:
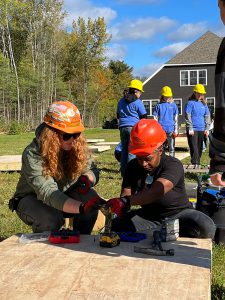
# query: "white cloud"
220,31
85,9
188,31
171,50
141,29
116,52
147,70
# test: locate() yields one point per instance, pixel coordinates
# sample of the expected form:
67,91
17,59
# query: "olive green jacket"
48,190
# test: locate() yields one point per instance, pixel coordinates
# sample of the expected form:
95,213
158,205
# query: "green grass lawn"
108,187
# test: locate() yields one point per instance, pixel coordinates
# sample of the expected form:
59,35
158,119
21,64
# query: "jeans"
192,223
125,156
171,143
43,217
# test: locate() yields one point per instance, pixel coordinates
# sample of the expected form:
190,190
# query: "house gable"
200,55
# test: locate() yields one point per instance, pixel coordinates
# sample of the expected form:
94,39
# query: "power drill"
108,238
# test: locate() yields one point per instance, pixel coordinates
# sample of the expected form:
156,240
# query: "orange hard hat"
64,116
146,136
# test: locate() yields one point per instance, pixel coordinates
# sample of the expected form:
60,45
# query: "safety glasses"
68,136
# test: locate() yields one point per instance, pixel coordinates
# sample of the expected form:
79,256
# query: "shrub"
17,128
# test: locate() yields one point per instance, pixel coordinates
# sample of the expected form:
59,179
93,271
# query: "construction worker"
166,113
197,117
155,181
57,174
130,110
217,138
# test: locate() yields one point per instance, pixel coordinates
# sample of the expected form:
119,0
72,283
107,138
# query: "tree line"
41,62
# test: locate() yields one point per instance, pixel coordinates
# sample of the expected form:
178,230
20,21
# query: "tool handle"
150,251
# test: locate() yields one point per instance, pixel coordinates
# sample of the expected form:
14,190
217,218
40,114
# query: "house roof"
203,50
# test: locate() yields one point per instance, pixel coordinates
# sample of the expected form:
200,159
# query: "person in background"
166,113
217,138
130,110
57,174
155,181
197,117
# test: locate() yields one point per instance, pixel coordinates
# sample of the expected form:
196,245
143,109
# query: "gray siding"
170,75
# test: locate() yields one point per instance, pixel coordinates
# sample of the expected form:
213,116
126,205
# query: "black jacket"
217,138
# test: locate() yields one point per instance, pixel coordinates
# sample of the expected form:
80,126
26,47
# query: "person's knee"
85,223
196,224
48,222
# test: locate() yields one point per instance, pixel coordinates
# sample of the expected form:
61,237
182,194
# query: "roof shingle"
203,50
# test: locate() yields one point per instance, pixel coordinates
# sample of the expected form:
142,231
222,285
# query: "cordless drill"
108,238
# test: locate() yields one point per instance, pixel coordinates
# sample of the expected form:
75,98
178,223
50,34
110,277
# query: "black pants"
192,223
195,143
42,217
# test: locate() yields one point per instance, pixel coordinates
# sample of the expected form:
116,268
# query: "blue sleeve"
188,108
176,111
118,107
207,112
156,111
141,108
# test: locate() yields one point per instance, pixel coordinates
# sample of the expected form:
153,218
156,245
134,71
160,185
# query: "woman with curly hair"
57,174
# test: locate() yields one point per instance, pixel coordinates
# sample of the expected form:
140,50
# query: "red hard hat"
146,136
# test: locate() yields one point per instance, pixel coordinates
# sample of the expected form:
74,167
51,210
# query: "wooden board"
193,169
10,163
86,271
95,140
98,149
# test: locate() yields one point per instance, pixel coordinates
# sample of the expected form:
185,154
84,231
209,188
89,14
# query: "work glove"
83,184
91,205
119,206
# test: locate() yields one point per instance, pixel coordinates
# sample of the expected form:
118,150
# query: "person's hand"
119,205
83,184
191,132
216,179
206,132
175,134
91,205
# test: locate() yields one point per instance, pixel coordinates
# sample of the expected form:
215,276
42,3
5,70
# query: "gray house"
195,64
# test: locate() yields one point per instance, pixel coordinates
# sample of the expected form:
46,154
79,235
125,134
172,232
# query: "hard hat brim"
67,129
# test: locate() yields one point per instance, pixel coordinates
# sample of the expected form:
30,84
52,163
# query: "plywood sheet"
87,271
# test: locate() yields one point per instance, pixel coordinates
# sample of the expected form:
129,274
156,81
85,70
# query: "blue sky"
147,33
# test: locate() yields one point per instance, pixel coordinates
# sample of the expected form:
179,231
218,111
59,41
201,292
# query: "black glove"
91,205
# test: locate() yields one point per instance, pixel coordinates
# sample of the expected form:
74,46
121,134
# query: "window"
179,105
150,106
211,105
192,77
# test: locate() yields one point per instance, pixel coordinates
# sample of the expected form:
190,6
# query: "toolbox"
64,236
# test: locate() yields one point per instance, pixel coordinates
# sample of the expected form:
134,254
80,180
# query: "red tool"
64,236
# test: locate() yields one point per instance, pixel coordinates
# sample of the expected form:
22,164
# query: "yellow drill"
108,238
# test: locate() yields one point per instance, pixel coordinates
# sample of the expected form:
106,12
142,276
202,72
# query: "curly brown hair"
62,164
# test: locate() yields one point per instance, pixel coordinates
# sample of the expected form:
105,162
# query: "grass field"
108,187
